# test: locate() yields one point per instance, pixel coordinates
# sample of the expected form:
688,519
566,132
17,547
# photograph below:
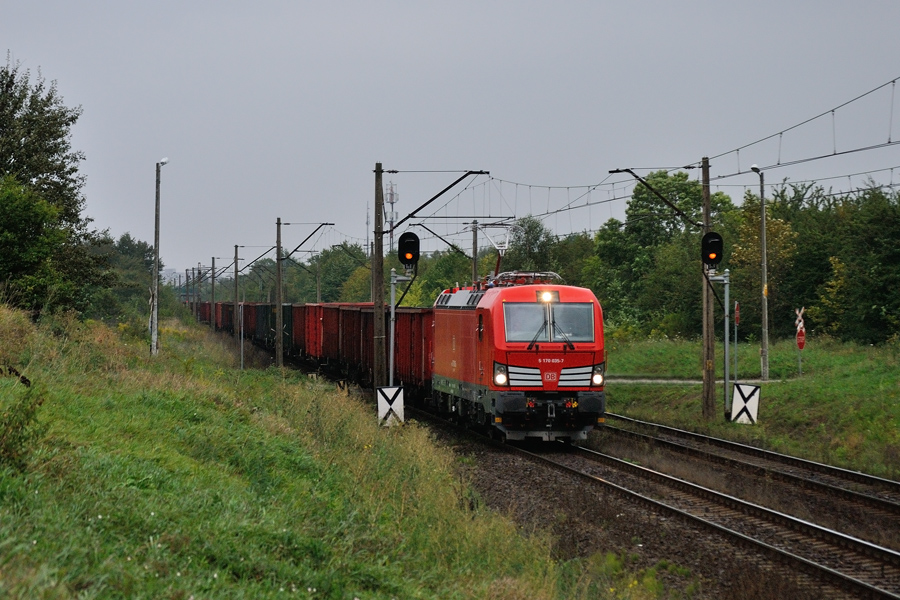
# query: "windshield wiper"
537,335
558,329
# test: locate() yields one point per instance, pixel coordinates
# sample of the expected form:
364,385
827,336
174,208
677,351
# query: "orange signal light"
408,249
711,248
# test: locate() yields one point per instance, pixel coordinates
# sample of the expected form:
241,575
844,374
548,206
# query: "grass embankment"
844,409
182,477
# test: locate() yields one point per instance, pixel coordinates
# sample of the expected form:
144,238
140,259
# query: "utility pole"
764,347
474,253
234,317
318,279
378,281
709,333
708,344
212,298
279,324
197,288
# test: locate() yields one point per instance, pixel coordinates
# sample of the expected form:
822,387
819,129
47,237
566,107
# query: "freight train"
521,355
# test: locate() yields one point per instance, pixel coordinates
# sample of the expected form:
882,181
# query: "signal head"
408,249
711,247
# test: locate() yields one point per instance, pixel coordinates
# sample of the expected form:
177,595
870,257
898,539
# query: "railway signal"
711,247
408,249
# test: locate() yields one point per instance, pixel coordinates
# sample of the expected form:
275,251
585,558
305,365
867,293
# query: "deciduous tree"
36,153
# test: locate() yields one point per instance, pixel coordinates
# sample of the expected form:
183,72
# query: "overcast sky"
281,109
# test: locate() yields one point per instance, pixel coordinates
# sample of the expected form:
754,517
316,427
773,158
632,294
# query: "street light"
764,350
154,294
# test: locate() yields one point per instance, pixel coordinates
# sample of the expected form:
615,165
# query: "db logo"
550,376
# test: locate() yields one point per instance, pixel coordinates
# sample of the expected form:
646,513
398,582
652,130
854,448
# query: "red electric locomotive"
523,355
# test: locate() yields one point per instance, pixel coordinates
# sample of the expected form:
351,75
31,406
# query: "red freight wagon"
313,330
352,337
367,344
412,347
249,319
331,332
298,329
203,312
225,316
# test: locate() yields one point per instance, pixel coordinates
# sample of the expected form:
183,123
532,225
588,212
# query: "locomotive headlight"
501,377
598,377
548,296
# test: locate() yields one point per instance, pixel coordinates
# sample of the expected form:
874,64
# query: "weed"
19,427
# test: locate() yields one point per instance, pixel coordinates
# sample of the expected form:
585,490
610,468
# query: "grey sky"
281,109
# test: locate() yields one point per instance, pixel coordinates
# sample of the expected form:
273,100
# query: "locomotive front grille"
524,376
576,377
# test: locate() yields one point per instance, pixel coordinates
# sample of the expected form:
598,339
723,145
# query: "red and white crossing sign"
801,338
801,328
737,313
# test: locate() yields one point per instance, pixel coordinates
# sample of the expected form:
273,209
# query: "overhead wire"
833,112
811,119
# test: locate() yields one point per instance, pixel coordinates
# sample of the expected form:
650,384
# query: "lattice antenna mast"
391,197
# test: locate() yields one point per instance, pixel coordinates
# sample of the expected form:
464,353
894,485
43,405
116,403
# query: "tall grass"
183,477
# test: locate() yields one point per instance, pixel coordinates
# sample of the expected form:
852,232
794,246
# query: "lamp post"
154,293
764,350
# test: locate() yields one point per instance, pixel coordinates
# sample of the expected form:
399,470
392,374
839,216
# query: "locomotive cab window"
553,322
526,322
575,321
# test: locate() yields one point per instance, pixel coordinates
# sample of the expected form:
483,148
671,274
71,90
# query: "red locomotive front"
524,356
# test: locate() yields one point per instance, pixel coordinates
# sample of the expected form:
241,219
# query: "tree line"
834,254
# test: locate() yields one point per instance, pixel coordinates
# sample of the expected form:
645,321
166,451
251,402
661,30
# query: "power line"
834,152
811,119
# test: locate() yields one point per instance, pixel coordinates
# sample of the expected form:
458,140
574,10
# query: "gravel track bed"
584,520
816,506
773,533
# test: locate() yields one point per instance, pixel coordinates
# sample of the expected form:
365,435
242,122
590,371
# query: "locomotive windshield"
531,322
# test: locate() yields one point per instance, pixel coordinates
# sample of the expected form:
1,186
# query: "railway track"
876,492
817,556
855,566
828,501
